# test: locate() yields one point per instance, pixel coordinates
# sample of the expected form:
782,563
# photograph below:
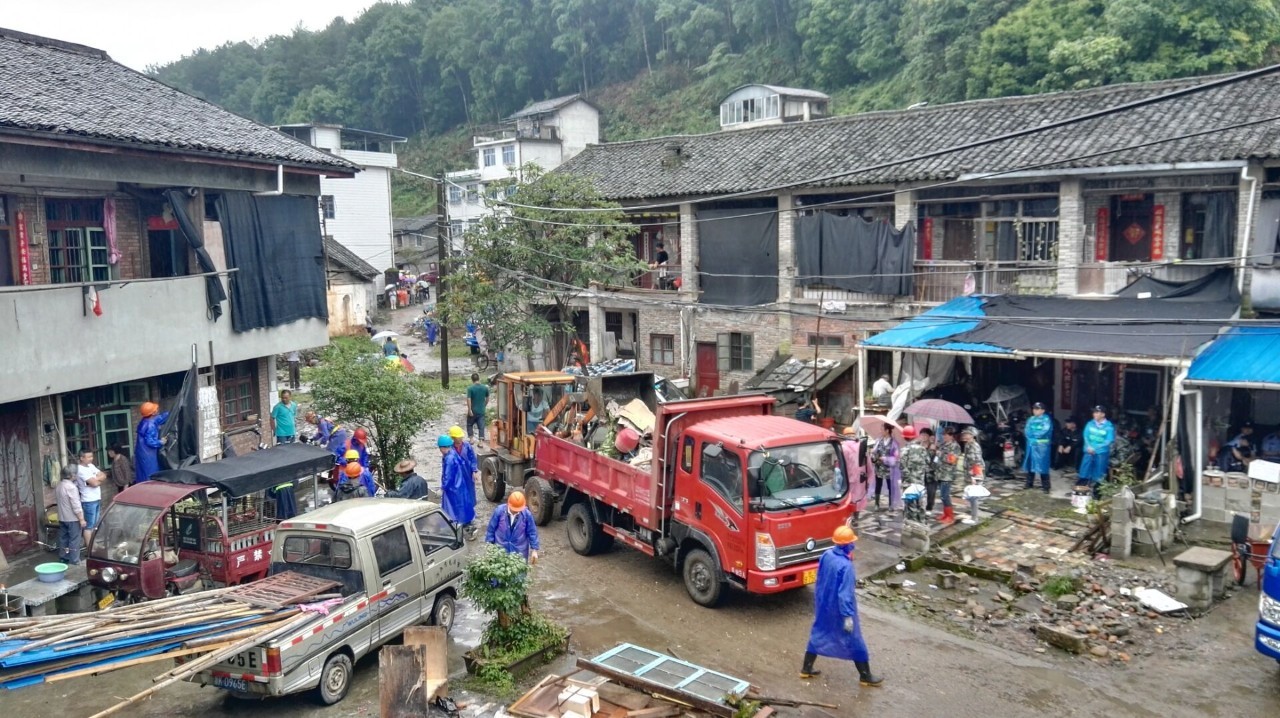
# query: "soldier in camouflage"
950,471
914,459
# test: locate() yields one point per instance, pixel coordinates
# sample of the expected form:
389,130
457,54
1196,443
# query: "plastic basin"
51,572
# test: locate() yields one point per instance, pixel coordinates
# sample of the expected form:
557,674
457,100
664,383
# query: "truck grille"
800,553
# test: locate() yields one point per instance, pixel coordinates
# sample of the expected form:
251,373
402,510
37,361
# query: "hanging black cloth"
213,291
855,254
181,432
275,245
738,256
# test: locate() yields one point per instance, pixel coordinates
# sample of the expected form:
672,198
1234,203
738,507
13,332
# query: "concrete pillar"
1071,230
688,250
595,326
1246,220
904,207
786,260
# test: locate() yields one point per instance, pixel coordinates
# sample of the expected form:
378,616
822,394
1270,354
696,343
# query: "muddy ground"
1208,668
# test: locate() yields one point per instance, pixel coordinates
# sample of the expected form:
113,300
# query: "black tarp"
255,471
1218,286
181,432
213,291
738,256
1155,328
855,254
275,245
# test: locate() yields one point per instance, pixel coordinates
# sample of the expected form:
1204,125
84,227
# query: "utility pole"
444,244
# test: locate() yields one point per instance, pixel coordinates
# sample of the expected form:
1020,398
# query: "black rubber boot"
808,671
865,677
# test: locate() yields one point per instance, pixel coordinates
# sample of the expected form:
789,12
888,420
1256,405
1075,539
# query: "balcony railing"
544,132
1111,277
147,327
939,281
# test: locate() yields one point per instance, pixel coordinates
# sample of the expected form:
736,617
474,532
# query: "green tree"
354,384
848,42
1013,55
534,254
938,38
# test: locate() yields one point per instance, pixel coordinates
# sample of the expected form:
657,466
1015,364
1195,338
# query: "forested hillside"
433,68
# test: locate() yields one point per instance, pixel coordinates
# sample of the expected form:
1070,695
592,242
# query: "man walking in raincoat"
454,480
1098,436
836,632
1039,434
147,447
514,530
471,466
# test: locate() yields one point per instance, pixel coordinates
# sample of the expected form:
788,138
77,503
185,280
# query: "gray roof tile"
755,159
343,258
542,107
74,92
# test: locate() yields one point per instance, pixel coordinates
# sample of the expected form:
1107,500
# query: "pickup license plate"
810,576
106,601
231,684
247,660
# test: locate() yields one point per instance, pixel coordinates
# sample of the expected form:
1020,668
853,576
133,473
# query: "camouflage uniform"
972,458
914,463
951,468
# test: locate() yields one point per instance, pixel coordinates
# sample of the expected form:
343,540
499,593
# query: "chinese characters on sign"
24,249
926,238
1068,375
1157,232
1102,235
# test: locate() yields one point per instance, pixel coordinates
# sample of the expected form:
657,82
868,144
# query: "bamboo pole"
166,655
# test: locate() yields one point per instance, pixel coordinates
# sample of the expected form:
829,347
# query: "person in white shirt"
882,390
89,479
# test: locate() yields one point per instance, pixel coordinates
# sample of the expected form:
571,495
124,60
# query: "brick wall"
130,237
851,330
767,337
659,320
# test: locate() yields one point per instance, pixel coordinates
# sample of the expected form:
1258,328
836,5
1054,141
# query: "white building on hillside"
356,212
547,133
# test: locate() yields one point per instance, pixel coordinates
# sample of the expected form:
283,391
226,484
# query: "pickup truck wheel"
491,481
335,679
586,537
442,613
702,578
540,500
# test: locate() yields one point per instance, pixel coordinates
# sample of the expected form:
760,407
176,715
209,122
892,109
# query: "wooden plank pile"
201,630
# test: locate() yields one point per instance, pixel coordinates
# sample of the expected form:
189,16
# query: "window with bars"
78,248
238,391
662,348
613,323
734,352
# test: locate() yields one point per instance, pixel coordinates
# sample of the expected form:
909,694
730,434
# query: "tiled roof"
344,259
789,91
545,106
414,224
755,159
52,88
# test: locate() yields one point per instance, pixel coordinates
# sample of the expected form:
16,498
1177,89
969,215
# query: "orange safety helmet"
844,536
361,436
354,470
515,501
149,408
849,431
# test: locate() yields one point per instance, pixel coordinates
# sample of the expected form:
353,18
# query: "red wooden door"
707,370
17,487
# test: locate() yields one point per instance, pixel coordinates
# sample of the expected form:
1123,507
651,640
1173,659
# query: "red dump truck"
733,495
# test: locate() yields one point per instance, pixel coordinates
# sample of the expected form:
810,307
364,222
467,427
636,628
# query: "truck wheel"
702,578
491,482
335,679
585,535
540,499
442,613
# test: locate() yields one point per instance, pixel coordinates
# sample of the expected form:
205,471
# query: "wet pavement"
1208,669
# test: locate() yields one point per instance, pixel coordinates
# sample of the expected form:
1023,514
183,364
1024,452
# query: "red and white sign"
1068,383
1102,234
926,238
1157,233
24,249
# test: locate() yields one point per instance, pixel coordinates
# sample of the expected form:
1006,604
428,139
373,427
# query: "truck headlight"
1269,610
109,575
766,553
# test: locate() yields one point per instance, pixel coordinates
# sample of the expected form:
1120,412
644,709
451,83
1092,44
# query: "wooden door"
18,510
708,372
1131,228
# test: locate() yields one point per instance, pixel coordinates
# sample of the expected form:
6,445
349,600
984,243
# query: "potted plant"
517,637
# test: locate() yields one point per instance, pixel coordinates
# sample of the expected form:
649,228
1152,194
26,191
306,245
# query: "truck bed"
617,483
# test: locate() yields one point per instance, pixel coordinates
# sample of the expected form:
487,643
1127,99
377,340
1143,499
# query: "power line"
1014,134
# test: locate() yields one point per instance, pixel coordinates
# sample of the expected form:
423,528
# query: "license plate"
106,601
810,576
231,684
247,659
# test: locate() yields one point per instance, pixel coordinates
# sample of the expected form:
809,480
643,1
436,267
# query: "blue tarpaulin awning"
927,331
1243,357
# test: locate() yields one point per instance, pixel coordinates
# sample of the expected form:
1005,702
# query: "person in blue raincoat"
1098,436
433,330
453,485
514,530
1039,434
836,632
355,483
471,465
148,444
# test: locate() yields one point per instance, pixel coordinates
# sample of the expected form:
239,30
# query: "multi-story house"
546,133
814,237
142,231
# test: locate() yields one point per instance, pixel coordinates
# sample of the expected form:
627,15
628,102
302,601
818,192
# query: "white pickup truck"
398,563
